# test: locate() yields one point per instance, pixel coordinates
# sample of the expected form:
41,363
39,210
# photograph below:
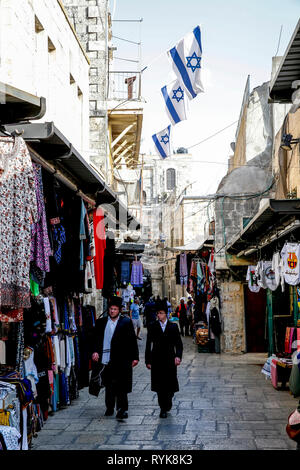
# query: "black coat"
161,349
123,350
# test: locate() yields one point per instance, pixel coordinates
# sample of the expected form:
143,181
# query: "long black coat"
123,350
161,349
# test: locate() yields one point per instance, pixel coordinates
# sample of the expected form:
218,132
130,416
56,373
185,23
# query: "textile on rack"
109,262
290,254
183,270
136,274
125,271
100,245
18,203
40,244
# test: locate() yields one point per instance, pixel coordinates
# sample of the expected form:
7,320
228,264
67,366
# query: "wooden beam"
122,154
119,148
122,134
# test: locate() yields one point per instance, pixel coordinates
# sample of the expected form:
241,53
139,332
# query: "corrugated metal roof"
289,70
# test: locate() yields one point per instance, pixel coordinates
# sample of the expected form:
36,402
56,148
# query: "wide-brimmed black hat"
161,305
115,301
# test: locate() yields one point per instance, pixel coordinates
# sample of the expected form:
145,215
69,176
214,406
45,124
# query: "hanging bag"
96,380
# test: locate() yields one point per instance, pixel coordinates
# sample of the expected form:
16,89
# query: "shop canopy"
195,244
17,105
275,219
288,71
133,248
48,142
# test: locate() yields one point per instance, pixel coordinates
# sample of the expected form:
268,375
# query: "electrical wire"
126,40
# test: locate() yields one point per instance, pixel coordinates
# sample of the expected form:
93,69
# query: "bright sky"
239,39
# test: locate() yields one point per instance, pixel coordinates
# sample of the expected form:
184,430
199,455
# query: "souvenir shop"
272,286
133,279
195,272
56,261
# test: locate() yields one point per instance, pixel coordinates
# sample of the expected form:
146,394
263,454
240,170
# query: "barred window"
171,178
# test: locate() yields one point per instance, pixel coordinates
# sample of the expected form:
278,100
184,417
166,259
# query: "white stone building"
40,54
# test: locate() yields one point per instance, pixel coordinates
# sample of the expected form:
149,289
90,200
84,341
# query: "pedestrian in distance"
135,317
115,347
163,355
149,312
183,319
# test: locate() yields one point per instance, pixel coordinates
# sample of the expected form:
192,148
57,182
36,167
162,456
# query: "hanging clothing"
125,271
277,266
183,269
211,263
100,245
18,209
40,244
136,274
82,235
291,258
252,279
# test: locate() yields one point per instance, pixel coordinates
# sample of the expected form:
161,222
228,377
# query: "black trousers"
115,398
165,400
184,326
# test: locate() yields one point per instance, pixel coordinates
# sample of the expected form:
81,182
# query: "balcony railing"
124,86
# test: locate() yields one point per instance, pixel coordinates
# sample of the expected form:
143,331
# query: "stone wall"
233,337
91,22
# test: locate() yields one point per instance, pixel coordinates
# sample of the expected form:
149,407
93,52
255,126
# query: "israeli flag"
174,96
186,62
162,142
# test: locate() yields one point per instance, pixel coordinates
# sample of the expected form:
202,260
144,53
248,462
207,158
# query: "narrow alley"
224,402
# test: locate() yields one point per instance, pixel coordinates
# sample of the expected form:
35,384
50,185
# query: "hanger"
4,131
292,238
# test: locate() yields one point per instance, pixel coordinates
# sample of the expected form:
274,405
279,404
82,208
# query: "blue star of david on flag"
176,92
174,97
186,60
165,139
193,58
162,142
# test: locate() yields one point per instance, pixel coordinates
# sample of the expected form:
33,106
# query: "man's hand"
135,363
148,366
177,361
95,357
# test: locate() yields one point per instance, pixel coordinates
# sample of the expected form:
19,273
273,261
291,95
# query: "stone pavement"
224,403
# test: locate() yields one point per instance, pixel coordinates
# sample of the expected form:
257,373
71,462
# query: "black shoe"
122,414
109,412
163,414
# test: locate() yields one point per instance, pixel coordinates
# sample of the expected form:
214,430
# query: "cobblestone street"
224,402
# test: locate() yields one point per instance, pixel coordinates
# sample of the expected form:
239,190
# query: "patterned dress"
18,208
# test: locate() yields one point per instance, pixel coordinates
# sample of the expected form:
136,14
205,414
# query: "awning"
130,248
276,218
17,105
194,245
289,70
48,142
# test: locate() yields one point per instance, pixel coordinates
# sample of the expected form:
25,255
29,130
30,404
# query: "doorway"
255,320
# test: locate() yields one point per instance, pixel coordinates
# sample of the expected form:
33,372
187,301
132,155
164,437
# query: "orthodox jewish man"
115,345
162,356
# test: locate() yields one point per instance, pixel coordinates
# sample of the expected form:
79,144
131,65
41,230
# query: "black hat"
115,301
161,305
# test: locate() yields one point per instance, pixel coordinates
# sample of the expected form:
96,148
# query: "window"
171,178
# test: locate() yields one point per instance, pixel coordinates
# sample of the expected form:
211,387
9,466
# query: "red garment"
100,245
